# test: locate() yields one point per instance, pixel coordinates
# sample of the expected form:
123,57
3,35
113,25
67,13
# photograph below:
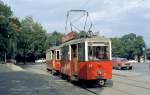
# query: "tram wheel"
101,82
119,68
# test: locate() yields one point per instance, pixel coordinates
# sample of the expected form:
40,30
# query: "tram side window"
53,55
48,56
98,53
57,55
81,52
65,55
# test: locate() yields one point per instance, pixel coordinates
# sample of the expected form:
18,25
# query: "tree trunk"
138,58
5,56
24,56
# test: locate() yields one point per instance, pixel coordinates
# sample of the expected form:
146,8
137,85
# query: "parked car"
121,63
11,61
41,60
132,61
148,61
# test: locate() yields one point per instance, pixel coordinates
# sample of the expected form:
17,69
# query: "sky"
111,18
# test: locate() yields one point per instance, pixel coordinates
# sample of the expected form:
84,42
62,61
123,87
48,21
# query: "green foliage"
20,38
32,38
5,10
28,38
147,52
128,46
9,26
117,49
24,38
55,38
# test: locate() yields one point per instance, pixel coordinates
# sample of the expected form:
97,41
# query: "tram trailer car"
53,59
87,59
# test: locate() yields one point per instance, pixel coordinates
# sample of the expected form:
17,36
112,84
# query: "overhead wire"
78,19
75,20
84,5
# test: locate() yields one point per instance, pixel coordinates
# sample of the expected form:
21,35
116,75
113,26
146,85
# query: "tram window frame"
64,53
48,56
94,55
57,55
81,52
53,55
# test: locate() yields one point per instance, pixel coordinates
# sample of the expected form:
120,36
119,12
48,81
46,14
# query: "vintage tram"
53,59
84,57
87,59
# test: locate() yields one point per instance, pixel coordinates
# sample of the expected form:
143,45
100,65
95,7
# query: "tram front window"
81,51
98,53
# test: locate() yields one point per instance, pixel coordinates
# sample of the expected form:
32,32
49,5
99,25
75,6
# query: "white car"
148,61
41,60
132,61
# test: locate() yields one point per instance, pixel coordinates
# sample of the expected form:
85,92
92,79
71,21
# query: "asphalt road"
141,68
34,80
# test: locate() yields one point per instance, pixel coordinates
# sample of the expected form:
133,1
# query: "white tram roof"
93,39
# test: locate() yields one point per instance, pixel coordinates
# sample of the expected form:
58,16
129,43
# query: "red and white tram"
53,59
87,59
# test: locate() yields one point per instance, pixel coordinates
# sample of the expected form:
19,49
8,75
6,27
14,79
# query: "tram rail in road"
94,89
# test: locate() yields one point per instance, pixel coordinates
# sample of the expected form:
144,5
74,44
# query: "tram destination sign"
69,36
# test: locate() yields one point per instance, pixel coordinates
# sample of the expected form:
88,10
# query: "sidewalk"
8,67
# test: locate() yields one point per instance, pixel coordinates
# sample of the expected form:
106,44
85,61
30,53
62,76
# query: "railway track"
94,90
119,80
132,82
131,79
97,89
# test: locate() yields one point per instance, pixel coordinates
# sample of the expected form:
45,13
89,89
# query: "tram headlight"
99,72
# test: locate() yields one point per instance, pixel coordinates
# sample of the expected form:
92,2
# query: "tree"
9,26
133,45
147,52
55,38
14,29
128,46
117,49
32,38
5,10
26,38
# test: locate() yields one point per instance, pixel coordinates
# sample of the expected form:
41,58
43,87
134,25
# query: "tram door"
74,58
53,59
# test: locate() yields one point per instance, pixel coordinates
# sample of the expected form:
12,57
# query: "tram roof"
54,48
93,39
